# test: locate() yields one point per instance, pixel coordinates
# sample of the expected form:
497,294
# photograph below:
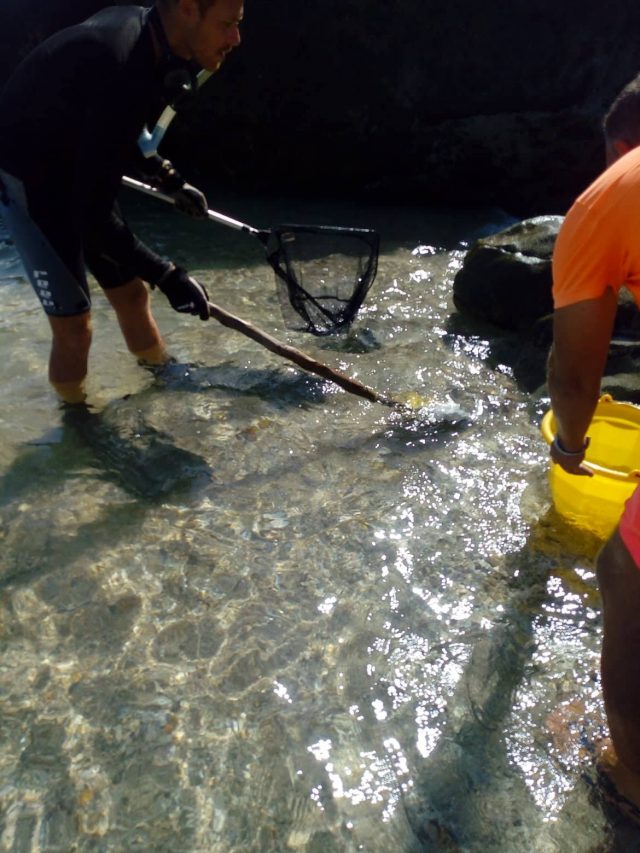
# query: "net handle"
237,225
220,218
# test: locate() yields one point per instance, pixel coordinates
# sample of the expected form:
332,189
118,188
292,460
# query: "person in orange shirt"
597,252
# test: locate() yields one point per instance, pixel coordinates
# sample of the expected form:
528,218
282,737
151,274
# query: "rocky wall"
458,103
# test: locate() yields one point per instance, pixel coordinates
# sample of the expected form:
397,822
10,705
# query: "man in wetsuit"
597,252
70,118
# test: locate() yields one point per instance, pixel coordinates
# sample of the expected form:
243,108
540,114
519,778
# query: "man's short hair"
622,121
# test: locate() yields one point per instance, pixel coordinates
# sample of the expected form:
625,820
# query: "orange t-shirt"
598,245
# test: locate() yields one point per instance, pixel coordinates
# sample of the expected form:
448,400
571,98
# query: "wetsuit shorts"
56,250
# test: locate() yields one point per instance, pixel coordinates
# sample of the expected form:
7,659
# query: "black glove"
184,293
191,201
187,199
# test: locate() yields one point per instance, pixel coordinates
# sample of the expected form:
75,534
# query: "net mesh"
323,274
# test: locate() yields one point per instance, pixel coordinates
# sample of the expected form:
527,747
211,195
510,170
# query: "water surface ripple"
241,610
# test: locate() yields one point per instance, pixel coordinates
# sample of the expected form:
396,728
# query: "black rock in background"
503,292
506,278
461,103
26,23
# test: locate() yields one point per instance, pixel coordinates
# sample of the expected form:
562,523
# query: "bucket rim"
606,407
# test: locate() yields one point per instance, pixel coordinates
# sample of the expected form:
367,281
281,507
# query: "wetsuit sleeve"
115,255
112,252
97,174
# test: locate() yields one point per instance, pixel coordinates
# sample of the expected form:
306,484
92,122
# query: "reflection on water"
241,610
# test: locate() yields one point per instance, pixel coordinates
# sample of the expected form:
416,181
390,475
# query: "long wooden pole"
352,386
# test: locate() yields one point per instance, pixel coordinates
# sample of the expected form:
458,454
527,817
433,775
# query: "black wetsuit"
70,117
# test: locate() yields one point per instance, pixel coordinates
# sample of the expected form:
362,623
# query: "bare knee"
129,299
72,334
133,309
69,354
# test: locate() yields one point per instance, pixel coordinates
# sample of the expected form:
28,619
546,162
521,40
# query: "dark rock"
626,328
452,103
38,19
456,103
506,278
506,282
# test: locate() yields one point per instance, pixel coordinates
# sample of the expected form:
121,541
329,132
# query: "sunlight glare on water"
243,610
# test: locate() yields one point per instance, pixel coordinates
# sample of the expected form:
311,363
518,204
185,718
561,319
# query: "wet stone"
45,748
323,842
190,640
104,625
506,278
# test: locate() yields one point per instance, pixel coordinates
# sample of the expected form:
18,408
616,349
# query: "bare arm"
581,336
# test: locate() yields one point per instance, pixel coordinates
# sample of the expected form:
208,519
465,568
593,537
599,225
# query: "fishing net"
323,274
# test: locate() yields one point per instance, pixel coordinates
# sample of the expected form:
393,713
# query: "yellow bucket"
614,457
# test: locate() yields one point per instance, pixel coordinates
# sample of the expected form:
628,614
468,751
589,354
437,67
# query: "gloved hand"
190,200
185,294
187,198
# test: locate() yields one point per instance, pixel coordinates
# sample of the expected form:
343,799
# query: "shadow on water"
283,389
469,766
118,444
467,794
47,551
525,353
115,446
280,389
123,448
303,390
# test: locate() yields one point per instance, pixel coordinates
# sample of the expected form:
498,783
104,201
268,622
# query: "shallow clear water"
241,610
